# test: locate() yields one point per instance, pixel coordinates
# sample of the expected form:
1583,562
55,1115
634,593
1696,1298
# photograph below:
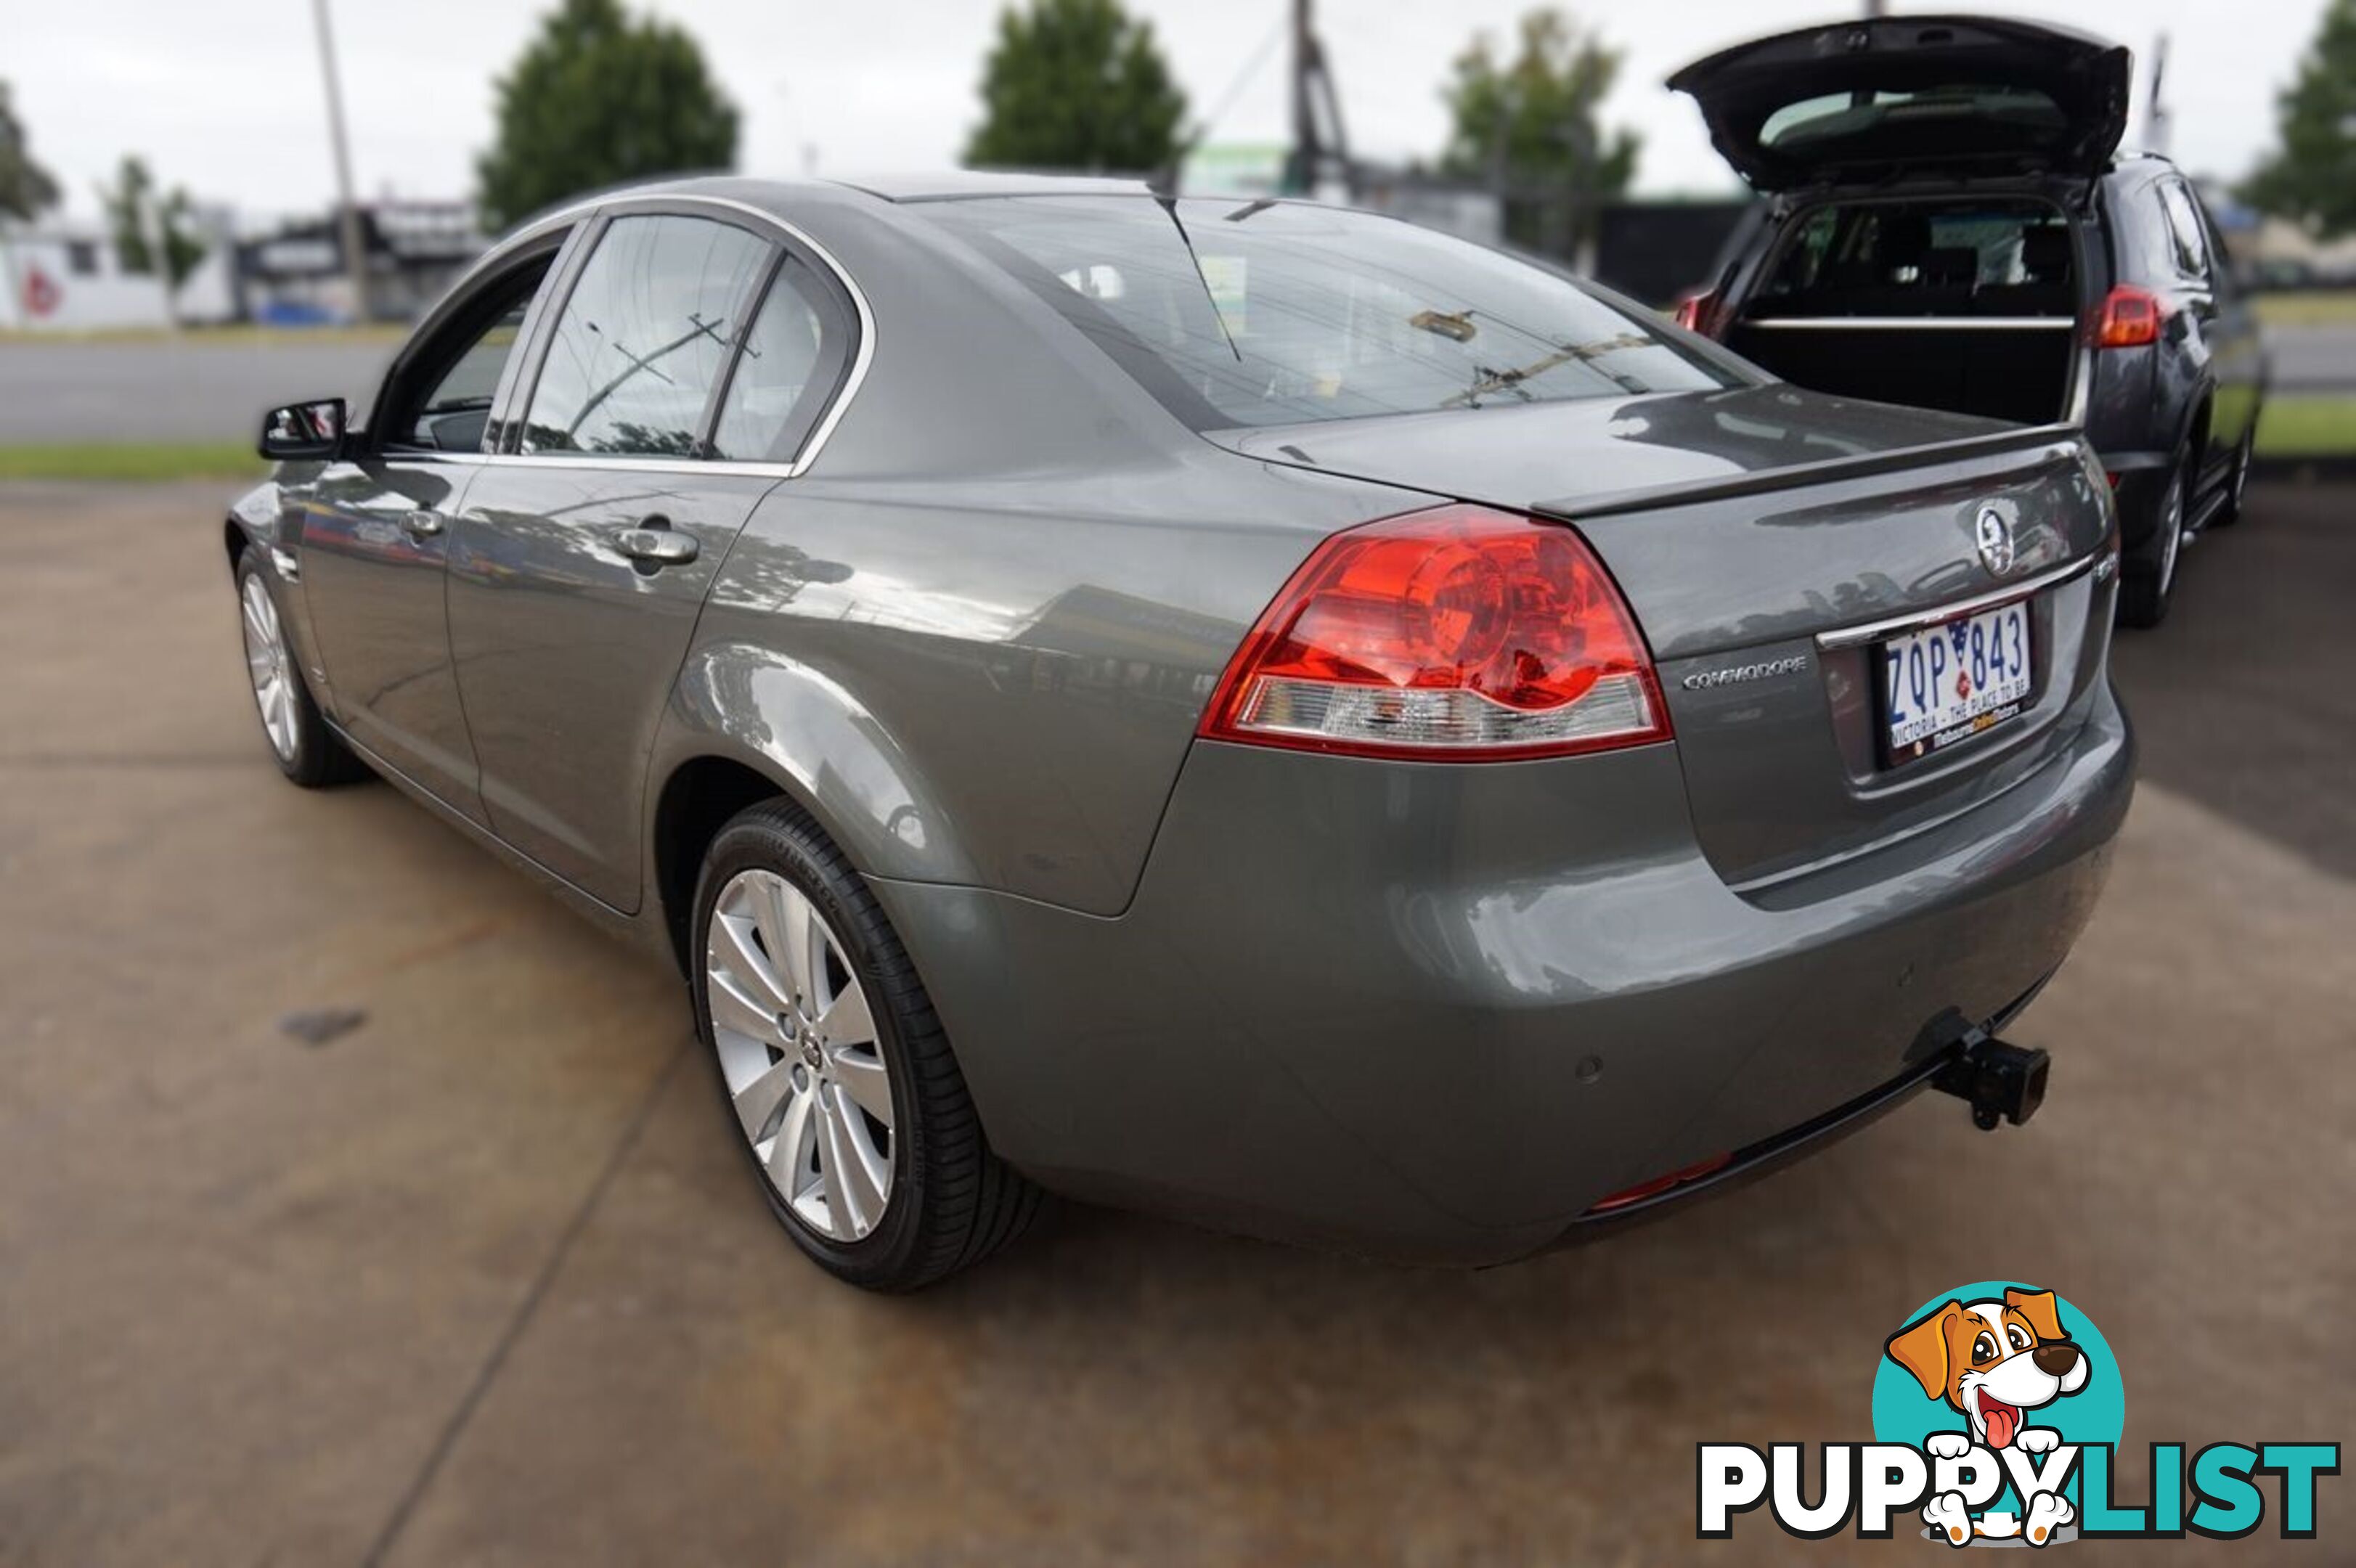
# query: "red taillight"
2131,317
1455,633
1695,312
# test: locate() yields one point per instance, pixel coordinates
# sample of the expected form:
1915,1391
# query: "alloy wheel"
799,1053
269,667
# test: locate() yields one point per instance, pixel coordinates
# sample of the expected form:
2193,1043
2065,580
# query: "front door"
581,559
376,539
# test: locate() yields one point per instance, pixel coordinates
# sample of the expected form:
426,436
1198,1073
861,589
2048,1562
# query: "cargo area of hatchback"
1966,303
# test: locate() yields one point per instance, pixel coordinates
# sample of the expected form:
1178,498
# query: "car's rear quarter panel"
976,636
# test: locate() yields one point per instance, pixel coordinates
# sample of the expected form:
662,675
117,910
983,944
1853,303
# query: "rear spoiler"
2055,440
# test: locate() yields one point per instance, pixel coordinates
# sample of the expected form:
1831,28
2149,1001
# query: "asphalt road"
192,389
2313,358
483,1282
199,388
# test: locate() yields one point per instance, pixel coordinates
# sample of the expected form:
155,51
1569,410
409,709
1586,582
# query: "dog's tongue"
2003,1421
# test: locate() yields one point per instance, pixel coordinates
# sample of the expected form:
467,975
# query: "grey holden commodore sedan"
1249,711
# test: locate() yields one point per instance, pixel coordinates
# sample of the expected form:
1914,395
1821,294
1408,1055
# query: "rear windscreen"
1236,314
1841,117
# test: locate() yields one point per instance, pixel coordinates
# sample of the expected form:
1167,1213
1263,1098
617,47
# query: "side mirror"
302,432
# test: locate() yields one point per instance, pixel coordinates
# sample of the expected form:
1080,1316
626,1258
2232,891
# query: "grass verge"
131,461
2308,427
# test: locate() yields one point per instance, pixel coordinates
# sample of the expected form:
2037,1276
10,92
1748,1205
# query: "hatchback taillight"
1697,313
1455,633
2130,318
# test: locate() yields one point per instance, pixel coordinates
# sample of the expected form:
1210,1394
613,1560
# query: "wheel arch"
2197,424
749,724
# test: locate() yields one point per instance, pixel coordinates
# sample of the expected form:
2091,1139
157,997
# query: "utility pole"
2154,114
1312,146
1303,174
355,254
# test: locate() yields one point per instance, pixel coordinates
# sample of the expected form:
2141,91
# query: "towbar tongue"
2003,1081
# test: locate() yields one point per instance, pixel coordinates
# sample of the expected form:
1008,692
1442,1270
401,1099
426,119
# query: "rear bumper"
1438,1011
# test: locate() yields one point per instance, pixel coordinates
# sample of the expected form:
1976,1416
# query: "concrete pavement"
483,1282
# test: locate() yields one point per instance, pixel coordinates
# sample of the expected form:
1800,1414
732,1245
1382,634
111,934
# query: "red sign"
42,295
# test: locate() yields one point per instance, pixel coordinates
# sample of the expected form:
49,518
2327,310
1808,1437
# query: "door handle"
422,525
658,544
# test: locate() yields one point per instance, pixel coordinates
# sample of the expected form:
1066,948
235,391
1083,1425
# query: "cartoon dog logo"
1994,1361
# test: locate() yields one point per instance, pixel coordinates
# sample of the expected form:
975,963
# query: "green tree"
2311,178
1076,84
1532,127
25,188
136,212
595,99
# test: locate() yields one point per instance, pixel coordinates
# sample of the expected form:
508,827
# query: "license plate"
1953,681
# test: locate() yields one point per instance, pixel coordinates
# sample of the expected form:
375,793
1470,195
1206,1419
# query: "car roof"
957,183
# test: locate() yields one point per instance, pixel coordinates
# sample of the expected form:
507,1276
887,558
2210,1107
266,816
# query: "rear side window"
644,337
1249,313
794,357
2188,237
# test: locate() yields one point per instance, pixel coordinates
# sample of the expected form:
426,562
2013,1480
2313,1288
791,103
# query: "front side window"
644,339
1247,314
453,411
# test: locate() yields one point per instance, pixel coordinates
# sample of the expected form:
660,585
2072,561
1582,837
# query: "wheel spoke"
831,1162
758,983
757,1102
784,918
740,1007
854,1192
863,1078
789,1156
848,1021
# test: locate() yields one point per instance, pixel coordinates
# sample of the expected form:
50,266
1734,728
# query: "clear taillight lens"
1455,633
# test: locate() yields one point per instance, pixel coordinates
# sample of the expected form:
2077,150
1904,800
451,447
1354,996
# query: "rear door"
2224,339
585,547
1871,99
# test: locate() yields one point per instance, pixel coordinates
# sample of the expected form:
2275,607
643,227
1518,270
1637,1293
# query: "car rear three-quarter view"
1249,711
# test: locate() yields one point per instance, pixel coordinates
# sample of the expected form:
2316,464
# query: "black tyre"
833,1065
2147,585
300,743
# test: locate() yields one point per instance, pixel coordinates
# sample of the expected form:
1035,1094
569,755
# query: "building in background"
415,249
65,276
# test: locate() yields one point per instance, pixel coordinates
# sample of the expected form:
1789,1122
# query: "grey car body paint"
1316,997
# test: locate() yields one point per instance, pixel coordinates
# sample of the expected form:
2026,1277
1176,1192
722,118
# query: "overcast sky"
224,97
